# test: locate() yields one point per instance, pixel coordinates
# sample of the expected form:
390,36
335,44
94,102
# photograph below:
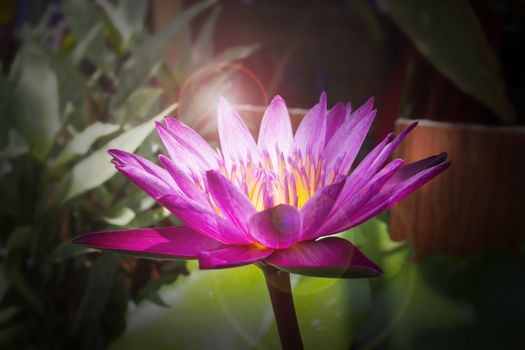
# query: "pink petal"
328,257
316,209
347,140
364,171
123,158
276,130
372,163
184,182
203,220
232,256
343,212
335,119
151,184
409,170
237,143
309,137
163,242
190,159
390,196
187,137
277,228
231,202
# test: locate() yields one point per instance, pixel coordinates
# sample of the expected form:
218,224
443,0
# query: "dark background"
458,241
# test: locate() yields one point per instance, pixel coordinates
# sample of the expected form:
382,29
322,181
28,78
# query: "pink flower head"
274,200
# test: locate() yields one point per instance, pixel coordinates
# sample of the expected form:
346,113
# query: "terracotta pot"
477,203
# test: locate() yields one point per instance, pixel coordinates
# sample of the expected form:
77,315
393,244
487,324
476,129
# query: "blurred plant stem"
280,291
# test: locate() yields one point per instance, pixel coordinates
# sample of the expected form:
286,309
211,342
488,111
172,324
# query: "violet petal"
328,257
316,209
163,242
277,228
190,160
232,256
334,119
151,184
237,143
370,165
204,220
309,136
192,140
187,185
347,140
343,212
231,202
125,158
390,196
409,170
276,130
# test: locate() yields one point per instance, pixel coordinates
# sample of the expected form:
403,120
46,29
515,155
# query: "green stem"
280,291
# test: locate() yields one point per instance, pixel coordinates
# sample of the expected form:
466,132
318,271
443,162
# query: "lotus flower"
273,201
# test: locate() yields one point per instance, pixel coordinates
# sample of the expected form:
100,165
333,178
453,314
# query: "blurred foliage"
449,35
230,309
438,303
87,77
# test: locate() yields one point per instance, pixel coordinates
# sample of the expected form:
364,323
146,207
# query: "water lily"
273,200
277,202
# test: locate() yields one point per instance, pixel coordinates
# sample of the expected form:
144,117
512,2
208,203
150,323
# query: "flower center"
270,182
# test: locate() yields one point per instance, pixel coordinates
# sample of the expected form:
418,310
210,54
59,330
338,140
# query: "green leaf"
413,311
82,16
5,167
448,34
235,53
9,107
10,201
157,300
202,50
121,216
369,18
82,142
37,87
96,169
231,309
19,239
72,85
85,21
15,147
138,105
7,313
373,239
24,288
150,291
66,250
4,283
98,289
82,46
151,218
146,55
127,16
6,334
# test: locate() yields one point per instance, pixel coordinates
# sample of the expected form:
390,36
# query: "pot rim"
463,126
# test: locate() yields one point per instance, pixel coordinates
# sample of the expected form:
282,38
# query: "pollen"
271,181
